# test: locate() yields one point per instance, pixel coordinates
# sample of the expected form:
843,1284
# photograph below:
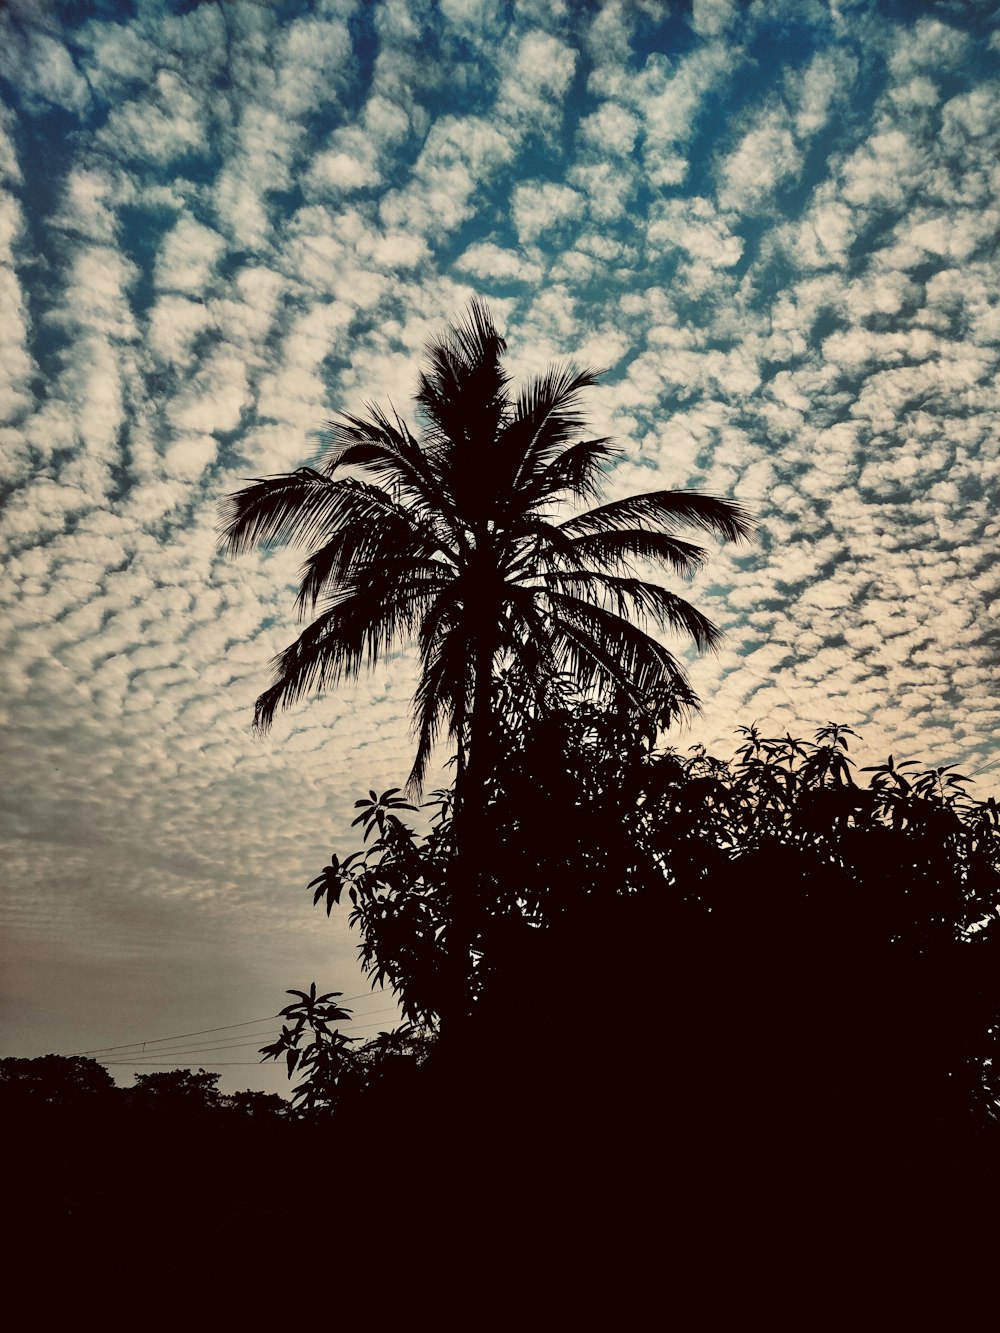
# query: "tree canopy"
781,870
451,537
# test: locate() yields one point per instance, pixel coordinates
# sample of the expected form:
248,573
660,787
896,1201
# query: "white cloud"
696,227
175,322
216,397
40,66
882,171
536,79
825,82
490,262
16,363
765,157
316,60
393,250
927,45
972,114
10,169
240,209
607,188
89,205
269,142
711,18
157,128
610,129
188,456
458,157
341,172
473,17
918,93
97,392
96,296
826,233
188,256
385,122
668,99
609,41
291,394
540,206
120,58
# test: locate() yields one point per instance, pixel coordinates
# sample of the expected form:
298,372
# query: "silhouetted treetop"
450,536
53,1080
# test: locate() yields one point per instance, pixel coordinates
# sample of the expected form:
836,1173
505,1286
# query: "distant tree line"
77,1082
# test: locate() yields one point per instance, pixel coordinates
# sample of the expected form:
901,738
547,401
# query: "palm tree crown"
451,537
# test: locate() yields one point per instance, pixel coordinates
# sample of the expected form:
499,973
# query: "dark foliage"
335,1074
408,542
771,999
829,935
61,1081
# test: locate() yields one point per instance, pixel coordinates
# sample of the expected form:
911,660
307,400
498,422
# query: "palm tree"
452,537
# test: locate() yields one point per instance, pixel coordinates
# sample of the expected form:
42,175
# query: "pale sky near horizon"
774,222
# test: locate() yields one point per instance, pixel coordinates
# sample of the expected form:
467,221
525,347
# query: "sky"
774,223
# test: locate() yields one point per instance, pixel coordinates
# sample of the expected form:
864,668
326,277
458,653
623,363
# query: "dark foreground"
702,1134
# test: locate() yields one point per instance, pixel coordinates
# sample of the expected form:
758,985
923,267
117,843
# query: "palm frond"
476,335
598,647
386,449
440,699
634,598
464,393
667,511
544,421
616,548
549,405
532,657
387,535
353,633
297,507
577,472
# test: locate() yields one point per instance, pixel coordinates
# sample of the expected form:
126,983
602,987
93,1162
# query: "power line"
226,1027
208,1048
188,1050
154,1041
172,1064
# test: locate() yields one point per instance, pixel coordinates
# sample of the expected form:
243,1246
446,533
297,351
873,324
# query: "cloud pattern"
774,223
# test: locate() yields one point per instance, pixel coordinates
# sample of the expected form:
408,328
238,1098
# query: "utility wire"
154,1041
188,1050
226,1027
173,1064
207,1048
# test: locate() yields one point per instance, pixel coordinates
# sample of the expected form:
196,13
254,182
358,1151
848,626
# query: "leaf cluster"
786,840
333,1072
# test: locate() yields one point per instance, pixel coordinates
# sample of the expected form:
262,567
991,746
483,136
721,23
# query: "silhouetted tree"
172,1092
256,1106
57,1081
450,537
311,1044
852,927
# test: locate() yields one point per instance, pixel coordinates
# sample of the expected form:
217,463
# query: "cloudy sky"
221,222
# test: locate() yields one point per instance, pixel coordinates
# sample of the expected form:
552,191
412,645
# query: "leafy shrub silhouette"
828,939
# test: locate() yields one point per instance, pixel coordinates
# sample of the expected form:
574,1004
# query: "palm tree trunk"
472,828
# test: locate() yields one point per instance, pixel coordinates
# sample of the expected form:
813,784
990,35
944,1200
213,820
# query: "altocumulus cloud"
774,224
